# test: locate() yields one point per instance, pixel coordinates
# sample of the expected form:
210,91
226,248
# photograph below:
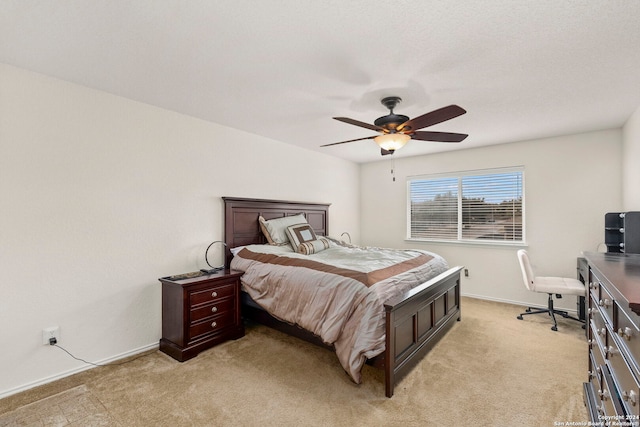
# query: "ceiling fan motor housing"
391,121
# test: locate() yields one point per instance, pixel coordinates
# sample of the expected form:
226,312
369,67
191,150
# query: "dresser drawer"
595,369
212,325
627,386
629,336
594,289
598,330
218,307
609,404
599,350
211,294
607,305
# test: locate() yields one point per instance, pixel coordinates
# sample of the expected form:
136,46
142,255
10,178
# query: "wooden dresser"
199,311
612,393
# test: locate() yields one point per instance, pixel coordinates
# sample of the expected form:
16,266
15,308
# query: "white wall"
570,183
630,156
101,195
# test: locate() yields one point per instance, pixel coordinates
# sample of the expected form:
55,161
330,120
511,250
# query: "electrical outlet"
48,333
466,272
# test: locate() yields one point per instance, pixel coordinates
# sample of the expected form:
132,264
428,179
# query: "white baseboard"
521,303
77,370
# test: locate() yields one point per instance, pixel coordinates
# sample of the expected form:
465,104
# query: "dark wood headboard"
241,225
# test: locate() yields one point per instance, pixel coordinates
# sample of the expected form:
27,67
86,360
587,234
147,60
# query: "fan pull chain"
393,167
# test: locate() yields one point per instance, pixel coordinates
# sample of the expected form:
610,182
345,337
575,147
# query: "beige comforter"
338,294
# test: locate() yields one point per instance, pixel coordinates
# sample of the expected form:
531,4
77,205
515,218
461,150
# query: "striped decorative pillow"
313,246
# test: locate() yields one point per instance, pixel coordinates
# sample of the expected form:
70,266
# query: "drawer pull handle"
214,309
214,324
606,303
602,332
214,294
611,351
630,396
625,333
592,285
604,394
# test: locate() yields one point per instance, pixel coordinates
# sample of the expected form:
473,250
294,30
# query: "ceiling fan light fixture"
392,141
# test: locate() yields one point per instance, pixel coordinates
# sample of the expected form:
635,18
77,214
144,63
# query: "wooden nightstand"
199,311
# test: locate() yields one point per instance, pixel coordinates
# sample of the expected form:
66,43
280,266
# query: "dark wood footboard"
416,321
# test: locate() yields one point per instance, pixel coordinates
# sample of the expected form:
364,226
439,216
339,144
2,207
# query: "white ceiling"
523,69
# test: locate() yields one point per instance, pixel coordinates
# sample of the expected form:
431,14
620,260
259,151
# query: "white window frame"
459,176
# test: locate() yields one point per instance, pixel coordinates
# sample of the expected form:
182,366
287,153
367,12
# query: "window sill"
484,243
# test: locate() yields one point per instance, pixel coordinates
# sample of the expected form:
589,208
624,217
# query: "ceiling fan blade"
359,123
433,118
344,142
385,152
438,136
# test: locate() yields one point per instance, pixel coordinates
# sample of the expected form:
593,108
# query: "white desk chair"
549,285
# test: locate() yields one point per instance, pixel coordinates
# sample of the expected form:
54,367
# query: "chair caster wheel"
554,328
519,317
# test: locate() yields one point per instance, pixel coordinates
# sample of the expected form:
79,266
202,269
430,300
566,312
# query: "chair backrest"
527,271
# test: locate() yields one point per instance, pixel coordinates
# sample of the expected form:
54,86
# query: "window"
479,206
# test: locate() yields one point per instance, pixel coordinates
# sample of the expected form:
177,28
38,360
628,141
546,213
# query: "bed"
412,321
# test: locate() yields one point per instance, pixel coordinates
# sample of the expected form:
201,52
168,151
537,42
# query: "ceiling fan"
396,130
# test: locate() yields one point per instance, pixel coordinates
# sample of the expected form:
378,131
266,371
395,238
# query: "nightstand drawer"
211,294
219,306
215,324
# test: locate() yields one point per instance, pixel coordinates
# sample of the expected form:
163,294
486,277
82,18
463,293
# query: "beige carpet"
490,370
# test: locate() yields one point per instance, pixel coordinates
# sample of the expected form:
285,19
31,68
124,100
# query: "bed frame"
414,322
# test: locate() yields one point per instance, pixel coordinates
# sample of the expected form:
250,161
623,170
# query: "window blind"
485,206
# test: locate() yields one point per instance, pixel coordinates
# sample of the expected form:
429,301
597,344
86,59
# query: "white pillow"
275,230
